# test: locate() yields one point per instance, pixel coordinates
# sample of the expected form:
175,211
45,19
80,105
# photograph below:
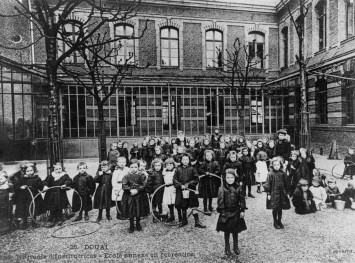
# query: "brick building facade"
180,89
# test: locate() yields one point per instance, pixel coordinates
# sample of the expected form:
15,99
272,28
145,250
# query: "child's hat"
303,182
282,131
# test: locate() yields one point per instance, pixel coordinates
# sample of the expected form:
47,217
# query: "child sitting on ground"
319,193
332,191
303,199
349,195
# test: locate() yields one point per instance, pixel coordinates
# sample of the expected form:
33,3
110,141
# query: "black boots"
276,222
184,218
138,225
171,214
258,189
235,244
227,249
99,217
131,225
179,215
197,222
279,216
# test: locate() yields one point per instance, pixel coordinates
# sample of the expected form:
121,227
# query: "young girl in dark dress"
233,163
231,206
155,180
276,189
135,202
112,156
144,151
102,198
84,184
186,177
208,186
248,170
135,152
56,199
29,181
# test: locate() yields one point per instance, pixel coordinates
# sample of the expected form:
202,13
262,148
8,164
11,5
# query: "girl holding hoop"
29,182
185,178
56,198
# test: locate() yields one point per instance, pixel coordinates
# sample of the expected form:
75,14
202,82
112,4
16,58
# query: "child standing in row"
208,186
169,190
102,198
84,184
231,206
56,198
156,180
186,177
248,170
276,188
135,202
117,177
29,182
261,170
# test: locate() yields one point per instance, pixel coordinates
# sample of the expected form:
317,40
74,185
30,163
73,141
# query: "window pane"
165,43
210,62
209,35
217,35
164,61
210,46
174,44
119,31
165,32
174,53
8,115
174,61
129,31
209,54
165,53
173,33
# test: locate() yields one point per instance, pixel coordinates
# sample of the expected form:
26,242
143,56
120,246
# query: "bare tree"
242,65
299,24
49,20
102,75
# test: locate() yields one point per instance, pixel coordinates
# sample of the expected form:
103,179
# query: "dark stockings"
277,214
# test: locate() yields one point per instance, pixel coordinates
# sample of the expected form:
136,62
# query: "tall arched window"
284,35
214,48
169,43
321,12
256,47
350,14
70,33
125,46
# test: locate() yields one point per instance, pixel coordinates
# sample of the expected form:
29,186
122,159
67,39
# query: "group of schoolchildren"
176,173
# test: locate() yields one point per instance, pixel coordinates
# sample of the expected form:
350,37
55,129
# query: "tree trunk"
53,115
102,132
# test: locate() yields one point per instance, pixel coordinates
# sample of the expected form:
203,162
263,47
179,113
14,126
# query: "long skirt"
135,206
231,222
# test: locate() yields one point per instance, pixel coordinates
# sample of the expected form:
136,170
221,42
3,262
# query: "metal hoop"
78,223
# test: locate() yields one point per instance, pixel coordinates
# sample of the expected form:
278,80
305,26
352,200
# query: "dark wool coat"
213,138
282,148
237,165
135,153
155,180
299,202
348,193
144,153
13,179
5,208
231,203
123,152
24,198
248,169
177,157
257,150
56,198
186,175
349,161
305,168
102,198
168,149
136,205
293,175
194,153
215,144
270,152
181,142
112,158
151,152
208,186
221,156
334,191
84,184
276,186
